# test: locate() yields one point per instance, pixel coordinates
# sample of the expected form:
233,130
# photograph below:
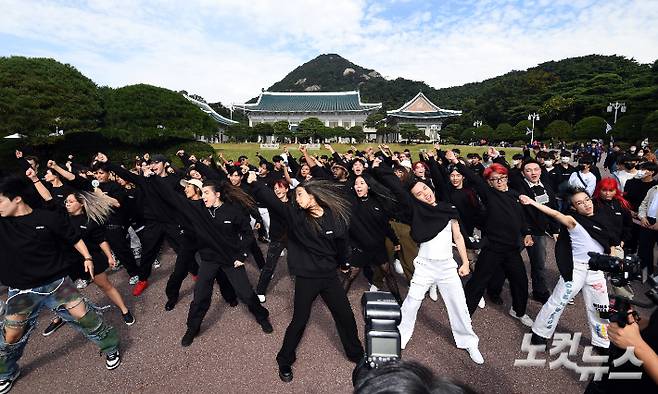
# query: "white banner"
269,146
313,146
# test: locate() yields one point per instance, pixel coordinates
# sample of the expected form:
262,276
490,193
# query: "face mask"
633,149
641,174
565,159
549,163
640,153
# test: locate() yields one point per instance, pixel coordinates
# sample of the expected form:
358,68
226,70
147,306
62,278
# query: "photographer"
583,231
643,338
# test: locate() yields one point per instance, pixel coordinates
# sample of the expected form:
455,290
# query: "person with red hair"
505,232
609,199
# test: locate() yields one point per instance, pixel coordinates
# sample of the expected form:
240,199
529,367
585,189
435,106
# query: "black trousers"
255,251
152,237
237,277
180,273
647,239
333,295
489,264
117,237
273,253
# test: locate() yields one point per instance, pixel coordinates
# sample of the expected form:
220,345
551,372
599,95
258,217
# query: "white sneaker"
261,298
397,266
81,284
156,264
133,280
525,319
434,294
373,288
475,355
481,304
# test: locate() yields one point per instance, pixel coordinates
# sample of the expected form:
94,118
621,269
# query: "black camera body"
382,315
621,271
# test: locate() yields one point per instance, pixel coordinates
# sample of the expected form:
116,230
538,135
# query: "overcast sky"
227,50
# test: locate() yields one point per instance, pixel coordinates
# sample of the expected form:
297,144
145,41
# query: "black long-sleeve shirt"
222,231
505,222
33,246
154,207
370,224
313,251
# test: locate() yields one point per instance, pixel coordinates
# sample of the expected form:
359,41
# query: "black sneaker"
541,297
7,384
285,373
537,340
112,360
53,326
188,338
128,318
266,326
171,304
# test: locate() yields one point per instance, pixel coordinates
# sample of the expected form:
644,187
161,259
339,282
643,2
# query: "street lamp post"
532,117
616,106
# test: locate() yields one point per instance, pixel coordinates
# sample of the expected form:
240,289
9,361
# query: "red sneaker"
140,287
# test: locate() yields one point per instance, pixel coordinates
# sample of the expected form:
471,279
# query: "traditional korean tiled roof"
211,112
309,102
420,107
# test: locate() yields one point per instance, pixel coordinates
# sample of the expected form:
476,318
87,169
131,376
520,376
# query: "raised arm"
267,197
566,220
41,188
386,176
120,171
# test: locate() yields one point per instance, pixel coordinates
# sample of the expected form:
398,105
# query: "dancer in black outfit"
369,228
503,228
278,240
221,228
317,245
158,224
187,264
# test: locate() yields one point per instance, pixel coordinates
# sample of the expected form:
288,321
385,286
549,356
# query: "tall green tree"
558,130
589,127
650,125
311,128
282,129
141,114
39,96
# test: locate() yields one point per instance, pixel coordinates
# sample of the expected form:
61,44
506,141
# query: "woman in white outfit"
434,226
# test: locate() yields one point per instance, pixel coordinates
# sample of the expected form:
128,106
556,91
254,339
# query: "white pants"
595,294
443,273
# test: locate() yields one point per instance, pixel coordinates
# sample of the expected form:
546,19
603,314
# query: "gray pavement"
233,355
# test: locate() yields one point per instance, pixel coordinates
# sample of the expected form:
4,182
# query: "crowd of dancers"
425,226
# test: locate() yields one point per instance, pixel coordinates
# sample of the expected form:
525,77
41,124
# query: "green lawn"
232,151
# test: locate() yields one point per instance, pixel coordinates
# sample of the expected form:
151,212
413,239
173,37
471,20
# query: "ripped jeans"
55,296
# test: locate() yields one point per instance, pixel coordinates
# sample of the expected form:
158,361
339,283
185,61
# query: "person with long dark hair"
318,223
369,228
435,226
222,228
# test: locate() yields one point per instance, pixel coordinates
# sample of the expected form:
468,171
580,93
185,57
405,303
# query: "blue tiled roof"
211,112
309,102
424,115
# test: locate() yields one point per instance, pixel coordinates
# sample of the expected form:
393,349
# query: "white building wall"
344,119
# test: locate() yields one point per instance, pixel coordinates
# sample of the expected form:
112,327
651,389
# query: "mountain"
569,89
326,73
